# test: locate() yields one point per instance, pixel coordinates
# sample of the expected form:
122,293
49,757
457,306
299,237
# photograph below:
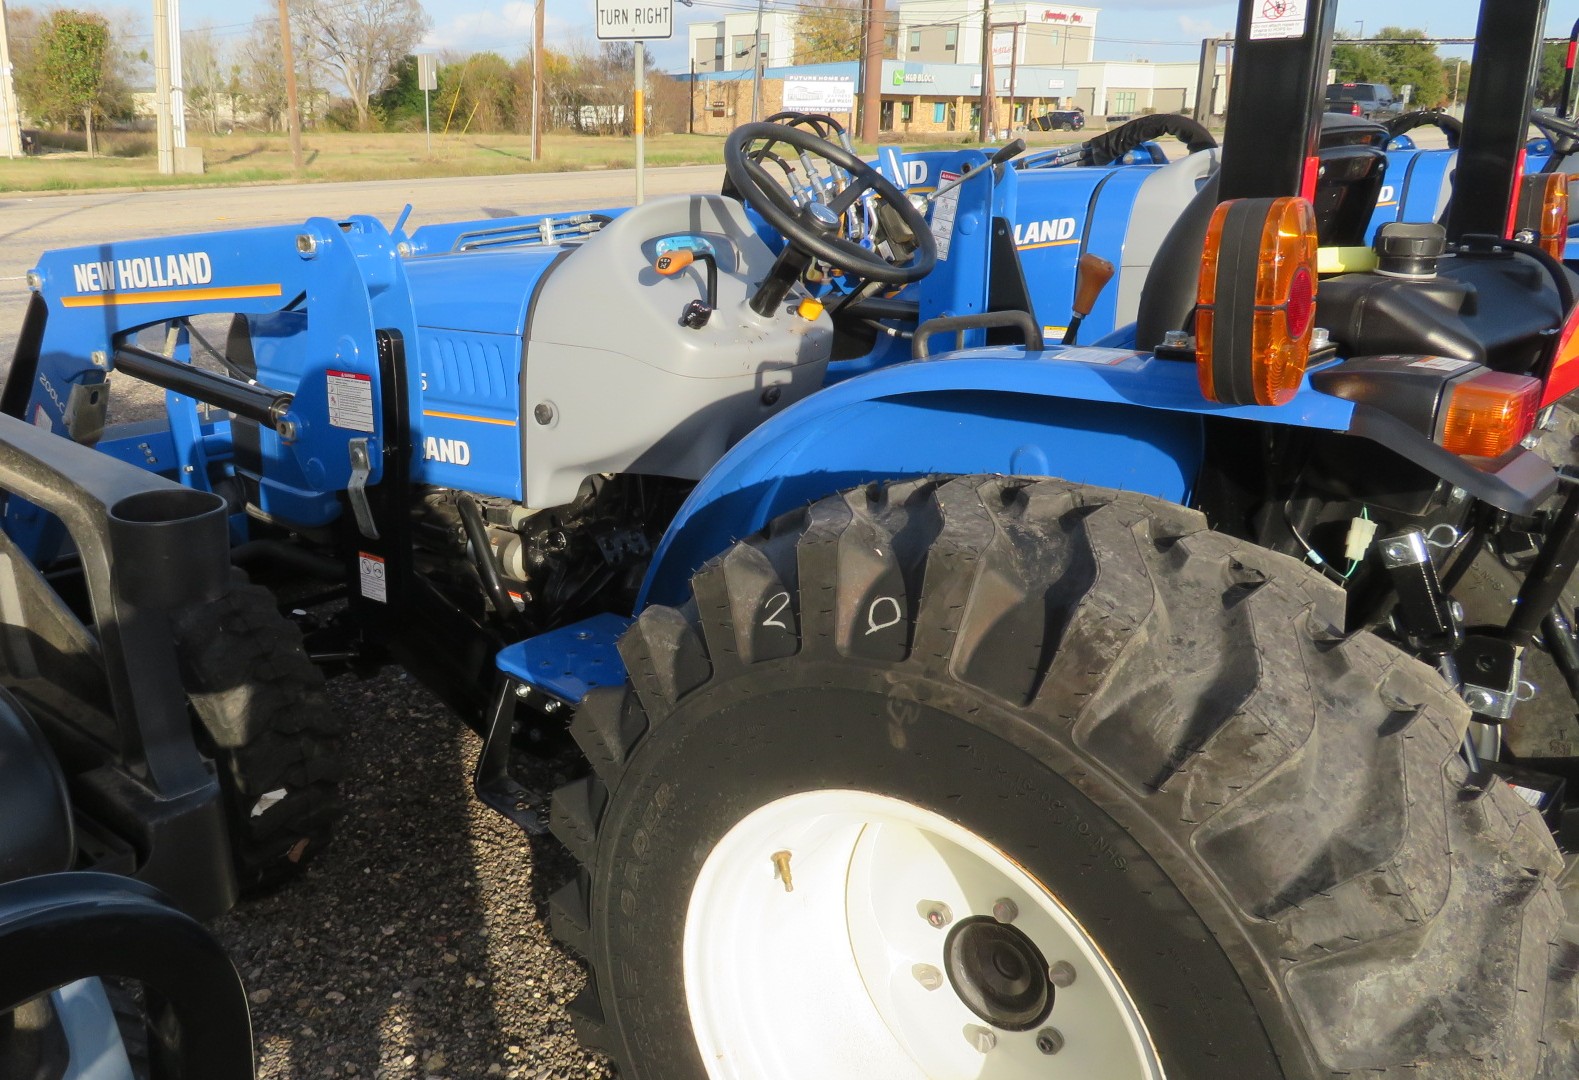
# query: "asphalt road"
32,224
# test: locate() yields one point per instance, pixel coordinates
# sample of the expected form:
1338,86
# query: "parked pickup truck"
1373,101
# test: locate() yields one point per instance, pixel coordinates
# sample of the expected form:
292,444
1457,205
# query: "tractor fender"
1109,417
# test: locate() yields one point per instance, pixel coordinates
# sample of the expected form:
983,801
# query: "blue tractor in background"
1138,687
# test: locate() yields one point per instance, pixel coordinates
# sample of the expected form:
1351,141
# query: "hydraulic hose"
482,555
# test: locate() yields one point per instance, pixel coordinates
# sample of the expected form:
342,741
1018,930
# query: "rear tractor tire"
263,720
997,778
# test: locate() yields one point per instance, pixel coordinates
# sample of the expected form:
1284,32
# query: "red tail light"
1354,110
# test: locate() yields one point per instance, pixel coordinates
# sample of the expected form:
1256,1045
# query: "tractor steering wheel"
1447,124
796,222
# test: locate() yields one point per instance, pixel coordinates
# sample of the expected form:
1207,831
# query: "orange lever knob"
674,261
1092,274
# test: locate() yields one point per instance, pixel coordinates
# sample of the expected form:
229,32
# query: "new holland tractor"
1140,687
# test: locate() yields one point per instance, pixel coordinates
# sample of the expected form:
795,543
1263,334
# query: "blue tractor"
1099,696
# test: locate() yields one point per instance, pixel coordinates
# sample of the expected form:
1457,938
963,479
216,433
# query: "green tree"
399,105
67,70
1414,63
1549,83
828,30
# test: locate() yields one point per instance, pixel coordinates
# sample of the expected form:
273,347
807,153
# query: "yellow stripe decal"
1050,243
473,419
168,296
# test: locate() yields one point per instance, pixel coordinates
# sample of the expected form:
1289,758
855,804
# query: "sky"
1126,29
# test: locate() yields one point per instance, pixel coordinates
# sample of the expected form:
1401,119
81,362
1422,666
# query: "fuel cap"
1409,251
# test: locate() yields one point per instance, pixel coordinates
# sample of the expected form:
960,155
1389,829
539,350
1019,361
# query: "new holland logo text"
1045,233
146,272
449,451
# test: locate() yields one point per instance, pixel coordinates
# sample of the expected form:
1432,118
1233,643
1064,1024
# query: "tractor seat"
38,837
1353,162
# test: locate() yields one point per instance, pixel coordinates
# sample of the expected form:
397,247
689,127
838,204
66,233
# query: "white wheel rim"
822,980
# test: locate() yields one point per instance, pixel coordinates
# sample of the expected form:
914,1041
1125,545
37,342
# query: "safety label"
1090,354
1273,19
351,400
943,211
374,583
1442,363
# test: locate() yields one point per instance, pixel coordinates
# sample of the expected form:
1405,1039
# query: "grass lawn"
253,158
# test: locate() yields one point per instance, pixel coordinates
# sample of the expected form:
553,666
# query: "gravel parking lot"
417,946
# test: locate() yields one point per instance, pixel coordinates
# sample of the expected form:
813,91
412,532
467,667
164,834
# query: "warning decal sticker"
1273,19
373,580
350,400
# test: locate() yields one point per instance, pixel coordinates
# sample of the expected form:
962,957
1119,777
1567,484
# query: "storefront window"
939,112
906,111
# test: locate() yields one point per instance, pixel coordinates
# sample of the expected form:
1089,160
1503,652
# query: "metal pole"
641,117
11,134
166,136
1014,58
756,65
427,118
690,106
537,81
177,80
985,122
293,112
1565,101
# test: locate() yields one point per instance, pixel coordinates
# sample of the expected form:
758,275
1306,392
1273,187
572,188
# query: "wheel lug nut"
1005,910
936,913
928,976
983,1039
1061,974
1049,1041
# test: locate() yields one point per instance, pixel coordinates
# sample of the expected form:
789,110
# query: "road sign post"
637,21
428,80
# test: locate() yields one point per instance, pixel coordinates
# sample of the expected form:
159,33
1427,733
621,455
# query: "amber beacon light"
1256,302
1541,214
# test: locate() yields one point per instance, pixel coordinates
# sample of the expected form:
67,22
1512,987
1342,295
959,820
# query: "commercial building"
918,99
730,43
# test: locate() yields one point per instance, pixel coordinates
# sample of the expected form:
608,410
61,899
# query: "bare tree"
202,66
362,40
263,70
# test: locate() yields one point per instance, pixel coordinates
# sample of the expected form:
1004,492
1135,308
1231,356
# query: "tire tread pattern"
265,721
1400,921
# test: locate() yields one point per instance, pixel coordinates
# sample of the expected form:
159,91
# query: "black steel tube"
1496,117
1565,100
247,400
482,554
1558,635
1550,573
1274,110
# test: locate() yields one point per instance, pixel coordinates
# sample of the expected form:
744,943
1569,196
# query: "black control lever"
697,312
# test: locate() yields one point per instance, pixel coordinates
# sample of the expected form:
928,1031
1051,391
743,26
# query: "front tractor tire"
997,778
262,718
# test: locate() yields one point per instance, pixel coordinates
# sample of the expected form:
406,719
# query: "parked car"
1062,120
1373,101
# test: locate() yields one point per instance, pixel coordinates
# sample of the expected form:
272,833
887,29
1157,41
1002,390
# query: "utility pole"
293,112
11,134
1014,63
537,81
162,120
872,73
177,80
986,109
756,65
